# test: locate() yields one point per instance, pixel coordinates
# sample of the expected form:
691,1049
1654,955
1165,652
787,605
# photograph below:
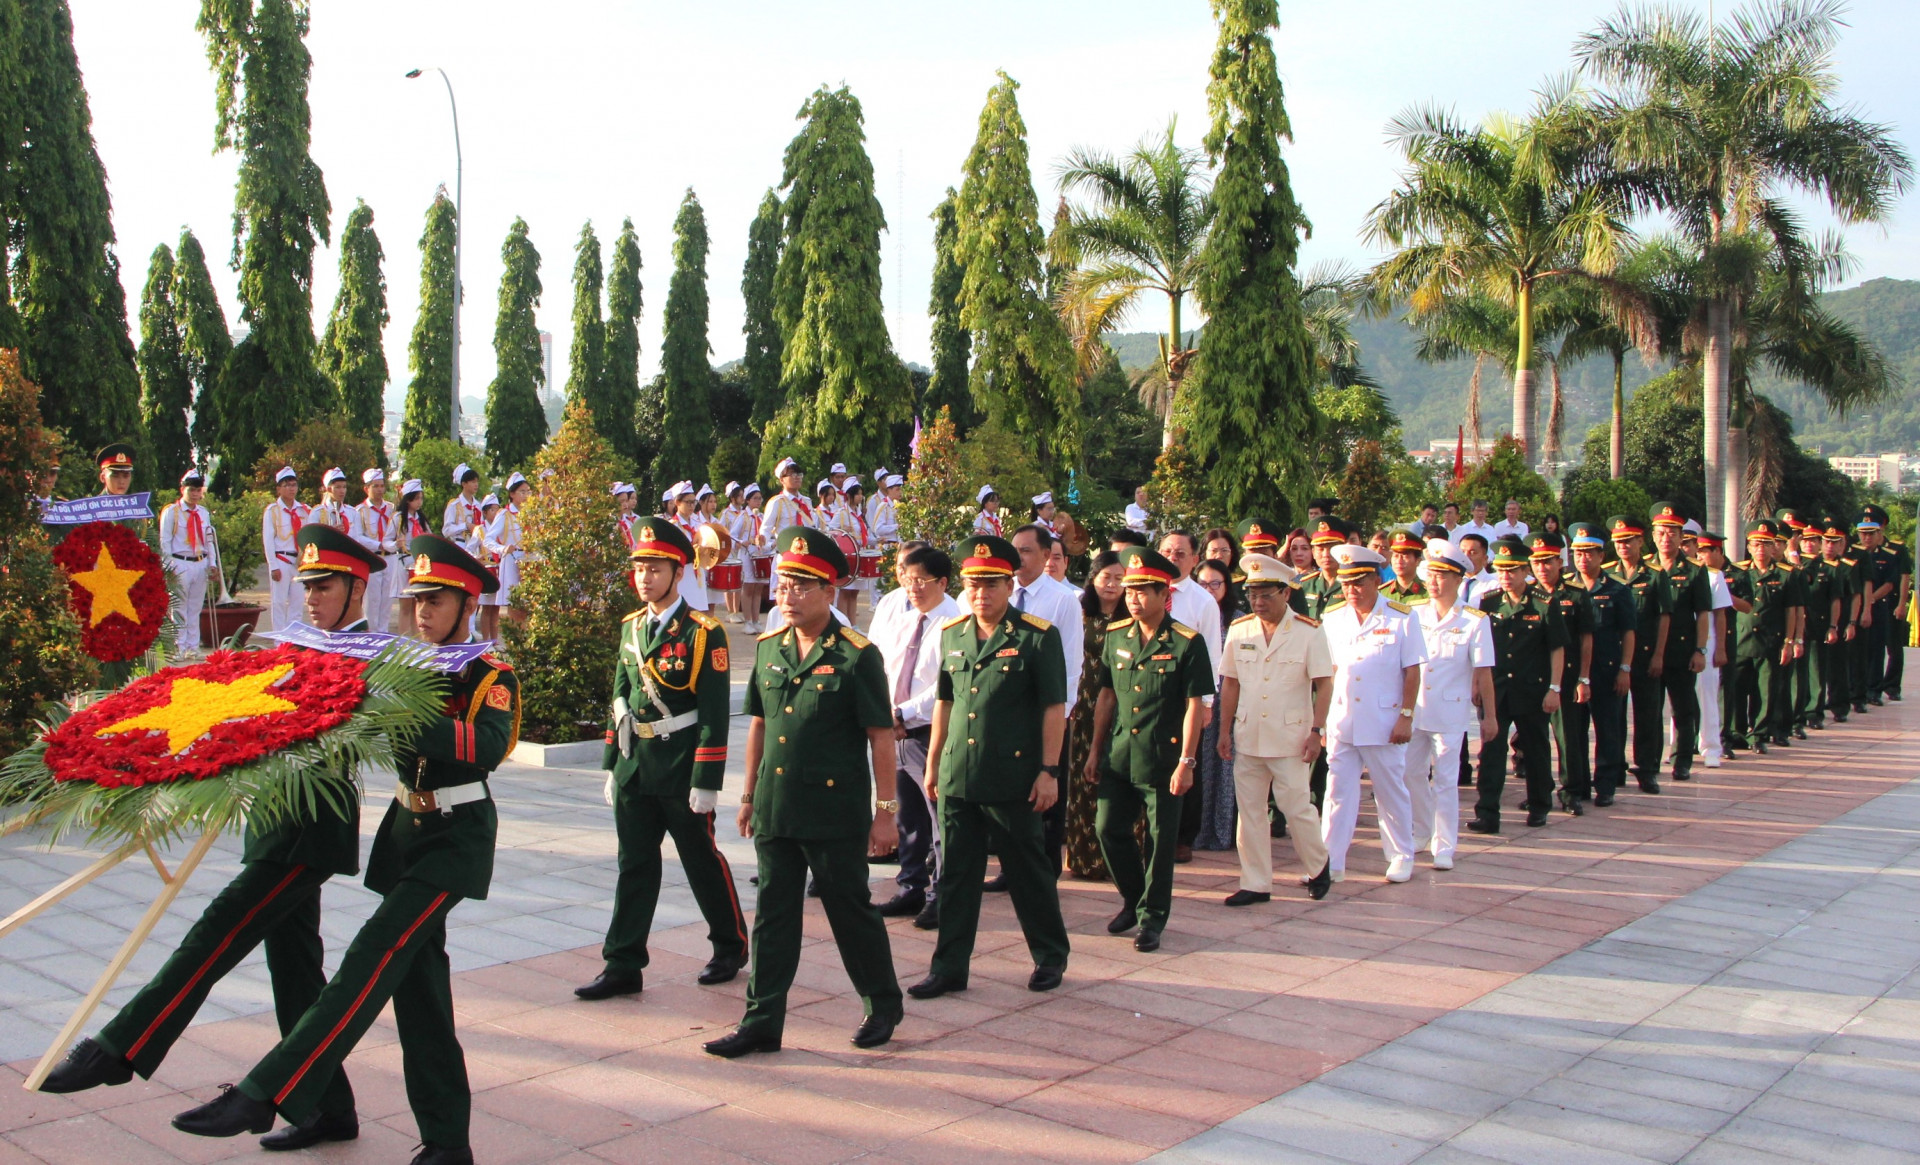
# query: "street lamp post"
459,228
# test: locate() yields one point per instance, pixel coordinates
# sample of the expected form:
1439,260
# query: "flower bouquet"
117,589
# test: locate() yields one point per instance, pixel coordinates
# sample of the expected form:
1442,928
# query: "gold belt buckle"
643,729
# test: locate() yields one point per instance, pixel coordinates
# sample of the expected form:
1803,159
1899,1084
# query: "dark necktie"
903,687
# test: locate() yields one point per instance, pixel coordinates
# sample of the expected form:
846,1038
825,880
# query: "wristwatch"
1585,682
1553,687
1406,713
746,798
891,805
1188,760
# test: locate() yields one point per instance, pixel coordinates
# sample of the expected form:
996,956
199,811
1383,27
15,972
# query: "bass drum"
848,547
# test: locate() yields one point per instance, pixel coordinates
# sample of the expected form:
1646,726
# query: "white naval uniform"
989,523
185,551
1271,724
784,509
278,524
1458,644
460,522
1369,656
378,529
693,580
502,541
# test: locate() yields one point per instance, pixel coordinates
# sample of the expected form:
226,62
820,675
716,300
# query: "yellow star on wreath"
111,588
194,707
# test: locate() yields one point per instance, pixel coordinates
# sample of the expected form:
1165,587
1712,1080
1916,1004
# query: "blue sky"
591,109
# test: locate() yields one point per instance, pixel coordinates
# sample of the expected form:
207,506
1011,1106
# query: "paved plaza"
1723,973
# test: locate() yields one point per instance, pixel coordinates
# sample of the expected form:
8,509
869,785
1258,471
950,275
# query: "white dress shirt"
1457,643
1058,604
278,524
1503,528
1368,658
1138,518
177,533
1194,605
1465,528
892,632
1477,586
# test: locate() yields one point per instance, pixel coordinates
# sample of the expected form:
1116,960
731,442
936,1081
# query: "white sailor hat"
489,500
623,487
333,475
821,486
461,472
705,491
1353,561
412,486
515,482
368,477
1444,555
787,465
1265,568
731,487
838,467
895,479
748,490
1044,499
287,473
852,483
986,491
680,489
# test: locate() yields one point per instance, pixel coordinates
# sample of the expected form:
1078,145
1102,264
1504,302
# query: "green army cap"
1145,568
1623,526
805,552
657,537
325,551
1587,536
985,556
1788,519
1831,527
1328,531
441,563
1544,544
1260,534
1667,514
1509,553
1765,529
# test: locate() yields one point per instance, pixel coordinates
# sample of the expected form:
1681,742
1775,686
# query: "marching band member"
505,541
853,519
465,511
413,523
790,506
739,526
683,503
378,529
1043,511
628,500
885,511
754,547
988,520
186,549
279,523
333,509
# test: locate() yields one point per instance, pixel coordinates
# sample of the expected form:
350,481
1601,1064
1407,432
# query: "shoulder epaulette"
495,662
1415,600
772,633
630,616
1035,621
1244,618
704,619
1400,606
1849,562
1744,564
1309,620
1476,611
955,621
1115,626
855,638
1184,631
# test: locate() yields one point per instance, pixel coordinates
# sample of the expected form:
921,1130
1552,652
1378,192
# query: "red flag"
1460,454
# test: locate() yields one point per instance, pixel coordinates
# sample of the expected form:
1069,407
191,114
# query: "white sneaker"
1400,869
1338,875
1443,861
1712,762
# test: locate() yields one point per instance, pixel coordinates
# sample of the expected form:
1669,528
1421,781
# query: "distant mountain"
1432,398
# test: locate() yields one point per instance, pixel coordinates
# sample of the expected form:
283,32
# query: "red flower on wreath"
116,588
191,723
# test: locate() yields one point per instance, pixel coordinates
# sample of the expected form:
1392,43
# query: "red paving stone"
1134,1054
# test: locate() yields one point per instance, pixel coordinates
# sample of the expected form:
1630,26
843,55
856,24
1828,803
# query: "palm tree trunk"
1617,432
1734,498
1722,490
1523,399
1556,417
1173,378
1473,401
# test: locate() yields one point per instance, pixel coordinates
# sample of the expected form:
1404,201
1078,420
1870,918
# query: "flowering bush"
116,588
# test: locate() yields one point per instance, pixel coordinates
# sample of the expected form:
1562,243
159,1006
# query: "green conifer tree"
353,350
622,353
686,439
952,342
762,360
842,385
587,355
205,344
72,323
430,351
261,68
516,423
166,391
1252,421
1023,370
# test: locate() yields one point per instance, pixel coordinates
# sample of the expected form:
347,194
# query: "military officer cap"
439,563
1712,540
1353,561
1259,534
985,556
1624,527
1444,555
809,553
1691,528
191,478
655,537
1509,553
1832,528
1762,529
1587,534
1145,568
1667,514
1871,518
1791,519
1328,531
1406,541
117,456
1266,570
1544,544
325,552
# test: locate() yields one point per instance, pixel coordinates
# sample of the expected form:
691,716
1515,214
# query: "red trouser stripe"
365,990
726,878
245,921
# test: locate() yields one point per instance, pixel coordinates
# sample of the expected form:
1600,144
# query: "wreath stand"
171,883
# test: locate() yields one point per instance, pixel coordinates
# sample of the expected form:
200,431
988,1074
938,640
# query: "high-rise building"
546,365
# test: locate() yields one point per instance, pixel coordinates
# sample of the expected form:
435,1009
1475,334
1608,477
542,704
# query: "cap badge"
422,565
799,546
311,554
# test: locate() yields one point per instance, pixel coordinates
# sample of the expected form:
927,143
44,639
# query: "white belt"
648,729
439,800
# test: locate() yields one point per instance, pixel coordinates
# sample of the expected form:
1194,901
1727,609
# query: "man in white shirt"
1458,675
1188,602
377,528
1477,526
906,627
1137,516
279,522
1713,557
1480,577
1037,593
1511,526
186,550
1377,651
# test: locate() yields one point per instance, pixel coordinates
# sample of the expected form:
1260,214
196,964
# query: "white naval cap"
986,491
1266,569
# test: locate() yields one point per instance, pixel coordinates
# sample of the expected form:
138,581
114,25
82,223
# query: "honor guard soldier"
1544,556
1771,601
1405,551
1457,676
1275,691
665,755
1689,609
186,550
1529,656
999,721
1615,623
433,849
275,899
817,703
116,469
1146,742
1650,603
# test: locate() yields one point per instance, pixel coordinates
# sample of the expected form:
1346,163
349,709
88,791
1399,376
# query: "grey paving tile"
1810,1145
1582,1127
1374,1112
1328,1136
1220,1147
1505,1142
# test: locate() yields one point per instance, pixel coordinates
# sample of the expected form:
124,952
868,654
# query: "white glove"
607,790
620,707
703,800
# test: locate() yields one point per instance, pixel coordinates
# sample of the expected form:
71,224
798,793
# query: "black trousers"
1571,725
919,833
1682,687
1879,636
1836,694
1607,713
1898,633
1531,733
1649,715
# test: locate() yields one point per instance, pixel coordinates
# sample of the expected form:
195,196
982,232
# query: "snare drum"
762,568
868,565
724,576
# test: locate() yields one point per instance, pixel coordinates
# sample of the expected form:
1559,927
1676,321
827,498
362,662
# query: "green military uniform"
813,799
1860,650
274,900
1152,676
668,737
1651,605
1321,589
1899,628
1884,567
1822,583
995,694
1762,712
1843,574
1610,605
434,848
1571,723
1689,593
1525,633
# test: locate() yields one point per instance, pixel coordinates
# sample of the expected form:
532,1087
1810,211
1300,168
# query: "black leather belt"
190,557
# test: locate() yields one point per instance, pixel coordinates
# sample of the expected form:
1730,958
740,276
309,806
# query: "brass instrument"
1073,535
711,545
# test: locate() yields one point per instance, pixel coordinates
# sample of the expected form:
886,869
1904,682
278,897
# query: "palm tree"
1141,231
1501,211
1468,325
1710,126
1589,324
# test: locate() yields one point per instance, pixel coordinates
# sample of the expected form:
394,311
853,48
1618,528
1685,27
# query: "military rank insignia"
499,697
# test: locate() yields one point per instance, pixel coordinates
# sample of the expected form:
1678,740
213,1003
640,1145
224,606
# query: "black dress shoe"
324,1127
231,1113
1277,829
1482,825
739,1043
1876,701
1760,746
1800,732
1124,921
813,888
612,983
1182,854
1650,786
1603,801
1045,978
1782,740
431,1154
1859,708
1683,774
1466,782
88,1065
721,969
1320,883
1147,940
1536,820
928,918
1839,717
1247,898
903,905
876,1029
1894,696
935,985
996,884
1574,807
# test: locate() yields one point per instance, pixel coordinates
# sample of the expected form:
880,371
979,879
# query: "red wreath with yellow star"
116,588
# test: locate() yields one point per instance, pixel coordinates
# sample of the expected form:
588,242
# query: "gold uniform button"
1016,753
976,691
970,715
779,772
783,740
1136,732
829,782
789,709
969,740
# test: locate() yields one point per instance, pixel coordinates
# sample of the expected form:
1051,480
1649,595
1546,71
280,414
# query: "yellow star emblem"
110,587
194,707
